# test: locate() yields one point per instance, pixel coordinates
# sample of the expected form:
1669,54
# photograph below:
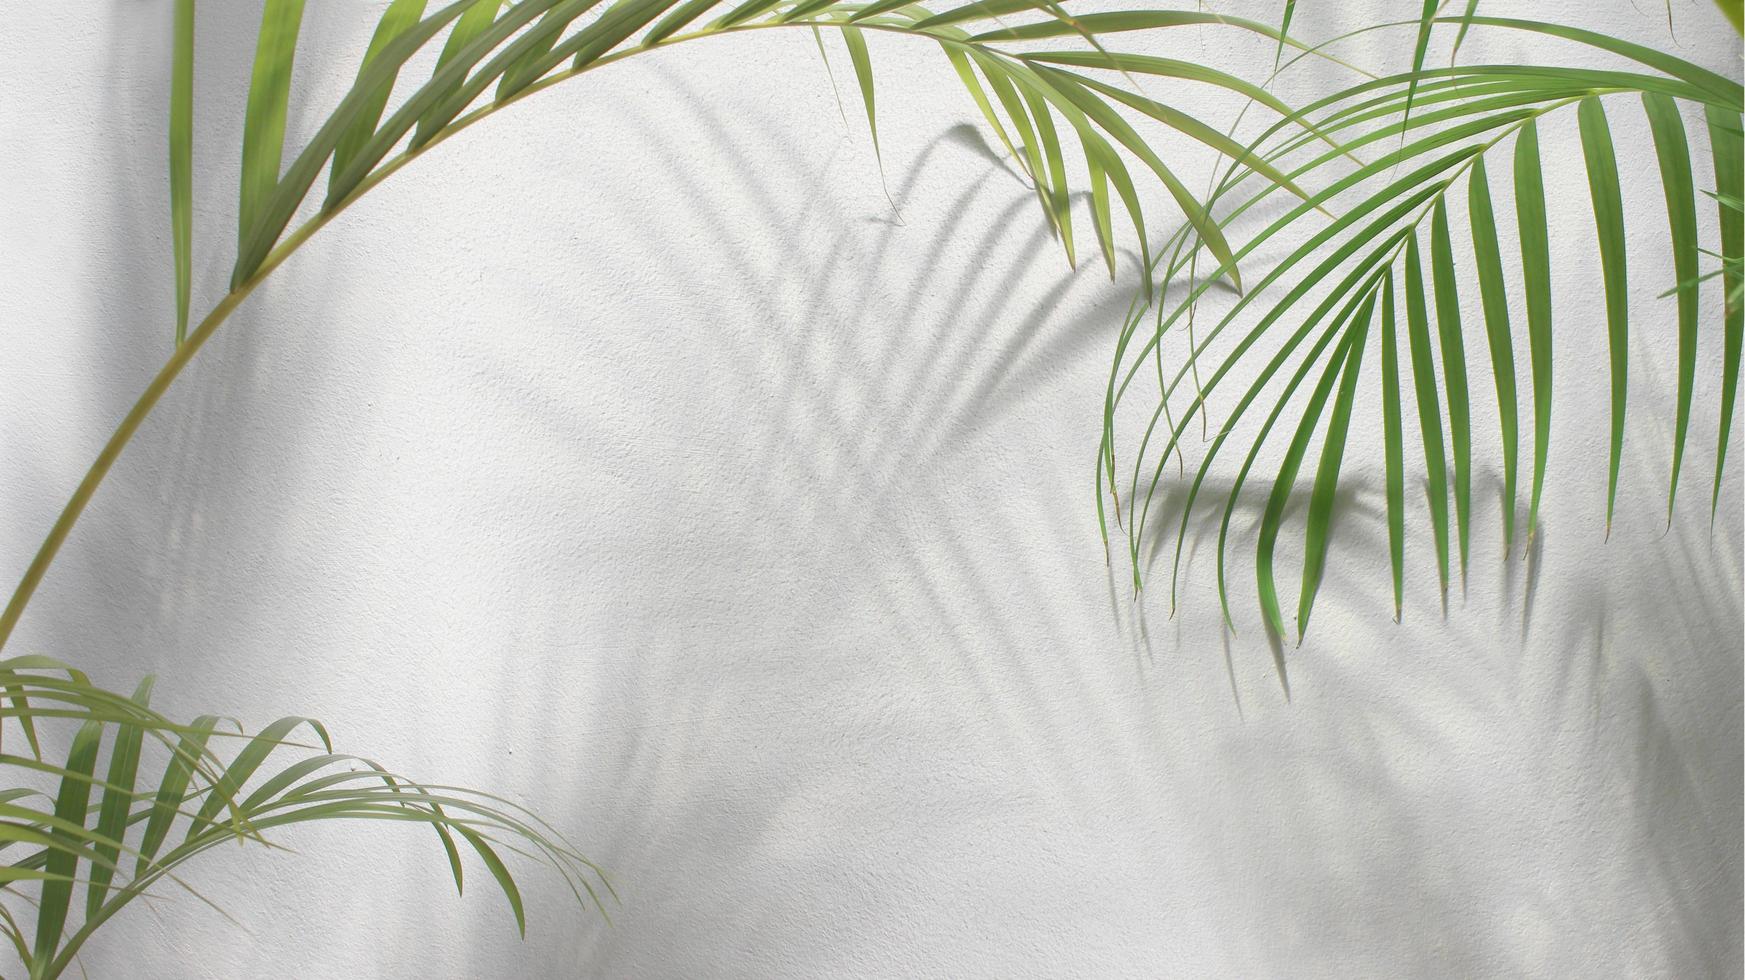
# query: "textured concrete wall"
626,456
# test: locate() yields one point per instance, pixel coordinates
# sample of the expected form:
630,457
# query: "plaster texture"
627,456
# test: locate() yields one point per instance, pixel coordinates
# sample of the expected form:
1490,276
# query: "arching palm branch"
493,55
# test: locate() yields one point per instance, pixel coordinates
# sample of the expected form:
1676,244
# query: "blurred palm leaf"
167,796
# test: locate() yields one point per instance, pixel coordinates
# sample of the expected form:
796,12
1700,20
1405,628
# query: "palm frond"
115,834
182,158
1446,123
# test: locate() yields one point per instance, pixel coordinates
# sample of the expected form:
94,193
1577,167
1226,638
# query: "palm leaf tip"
1494,300
1608,208
269,93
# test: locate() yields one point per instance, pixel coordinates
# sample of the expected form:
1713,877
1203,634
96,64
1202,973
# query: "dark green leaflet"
1608,205
499,871
681,15
1453,371
981,10
1673,153
182,159
1393,443
1057,195
1187,125
250,759
180,771
1007,94
1272,519
1284,28
614,26
1326,488
1402,197
1072,103
525,70
1496,325
1425,21
966,74
400,17
1116,21
806,8
301,175
1717,87
1724,142
1536,277
472,24
857,54
1465,25
744,12
1101,220
1364,272
1112,123
1429,407
880,7
117,803
71,805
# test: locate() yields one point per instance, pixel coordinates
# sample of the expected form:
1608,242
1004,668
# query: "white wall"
628,433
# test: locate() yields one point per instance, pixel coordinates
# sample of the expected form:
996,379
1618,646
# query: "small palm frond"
96,837
1438,132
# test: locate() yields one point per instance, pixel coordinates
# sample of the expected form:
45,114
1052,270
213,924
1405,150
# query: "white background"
626,457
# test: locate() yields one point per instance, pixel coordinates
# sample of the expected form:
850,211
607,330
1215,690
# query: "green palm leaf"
400,17
1453,371
1673,152
1478,107
1429,416
63,845
1725,140
182,158
1536,277
1327,474
1393,446
269,94
1608,204
1495,303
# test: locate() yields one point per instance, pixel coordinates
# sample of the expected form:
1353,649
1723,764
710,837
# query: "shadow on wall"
134,293
1372,848
924,721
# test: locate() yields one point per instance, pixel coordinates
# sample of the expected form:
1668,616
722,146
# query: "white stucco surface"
624,456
